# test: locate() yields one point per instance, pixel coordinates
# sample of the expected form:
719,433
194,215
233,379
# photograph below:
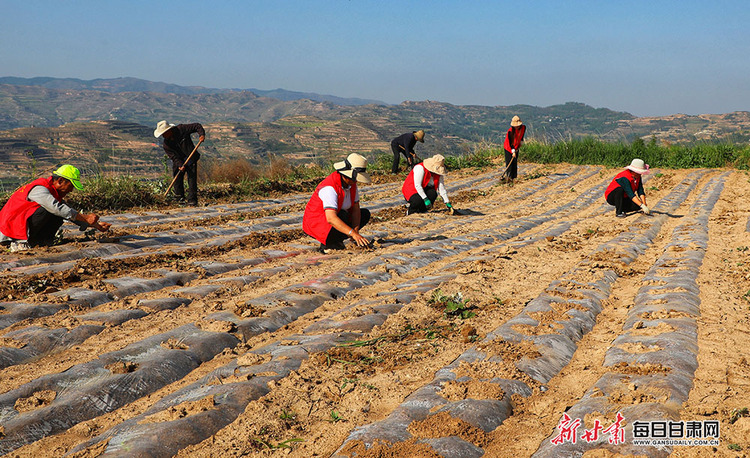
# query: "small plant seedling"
658,175
742,249
336,417
738,413
287,415
283,444
734,447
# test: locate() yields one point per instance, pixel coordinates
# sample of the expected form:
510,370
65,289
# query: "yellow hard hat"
71,174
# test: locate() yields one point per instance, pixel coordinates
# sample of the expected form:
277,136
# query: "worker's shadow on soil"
671,215
467,212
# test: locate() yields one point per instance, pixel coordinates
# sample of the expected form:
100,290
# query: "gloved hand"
448,204
513,150
427,202
645,209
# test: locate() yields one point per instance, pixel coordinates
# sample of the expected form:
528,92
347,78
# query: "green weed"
455,305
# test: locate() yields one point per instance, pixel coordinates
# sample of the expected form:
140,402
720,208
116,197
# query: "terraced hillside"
221,331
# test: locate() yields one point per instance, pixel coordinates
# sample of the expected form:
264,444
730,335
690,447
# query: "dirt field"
521,328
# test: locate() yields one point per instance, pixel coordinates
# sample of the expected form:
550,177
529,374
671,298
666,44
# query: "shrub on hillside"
116,193
234,171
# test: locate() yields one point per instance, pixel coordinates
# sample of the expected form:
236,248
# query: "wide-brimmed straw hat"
71,174
162,127
638,166
435,164
515,122
354,167
419,135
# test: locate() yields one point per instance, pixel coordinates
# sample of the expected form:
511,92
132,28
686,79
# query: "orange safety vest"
314,221
408,188
633,178
18,209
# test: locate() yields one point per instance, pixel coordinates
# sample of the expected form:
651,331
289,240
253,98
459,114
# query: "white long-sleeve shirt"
419,176
331,199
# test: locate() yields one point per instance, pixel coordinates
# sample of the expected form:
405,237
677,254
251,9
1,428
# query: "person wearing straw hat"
178,145
404,144
34,213
333,213
625,192
424,182
513,140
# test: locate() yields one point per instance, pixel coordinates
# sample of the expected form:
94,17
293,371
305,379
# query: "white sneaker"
19,246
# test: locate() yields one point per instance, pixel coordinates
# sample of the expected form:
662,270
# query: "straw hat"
419,135
515,122
71,174
435,164
354,167
638,166
162,127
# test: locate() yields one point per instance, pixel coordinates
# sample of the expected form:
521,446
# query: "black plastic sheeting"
88,390
672,300
232,387
556,346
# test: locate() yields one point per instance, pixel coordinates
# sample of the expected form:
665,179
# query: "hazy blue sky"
646,57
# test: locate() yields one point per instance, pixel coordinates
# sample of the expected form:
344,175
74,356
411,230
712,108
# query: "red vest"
314,221
512,142
17,210
633,178
408,188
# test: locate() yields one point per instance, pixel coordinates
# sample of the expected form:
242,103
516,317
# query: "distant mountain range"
128,84
44,121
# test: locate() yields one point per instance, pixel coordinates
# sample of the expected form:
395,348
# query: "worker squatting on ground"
178,145
404,144
34,213
333,213
423,184
628,183
513,140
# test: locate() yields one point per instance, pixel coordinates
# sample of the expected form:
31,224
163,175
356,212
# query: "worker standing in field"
424,183
513,140
625,192
178,145
35,212
333,213
404,144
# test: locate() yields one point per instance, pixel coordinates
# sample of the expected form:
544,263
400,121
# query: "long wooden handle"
180,171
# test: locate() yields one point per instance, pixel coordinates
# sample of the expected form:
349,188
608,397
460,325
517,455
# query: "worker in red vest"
625,192
513,140
333,213
35,212
424,182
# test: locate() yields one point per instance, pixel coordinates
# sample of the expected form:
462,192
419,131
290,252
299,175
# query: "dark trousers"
621,201
42,226
416,203
513,169
335,237
411,159
192,177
